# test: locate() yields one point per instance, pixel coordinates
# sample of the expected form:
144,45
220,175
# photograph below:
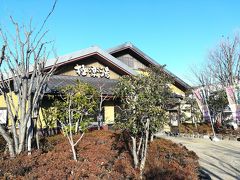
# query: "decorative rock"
196,135
219,136
232,138
205,137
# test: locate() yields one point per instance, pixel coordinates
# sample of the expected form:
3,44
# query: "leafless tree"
23,80
202,76
222,67
224,61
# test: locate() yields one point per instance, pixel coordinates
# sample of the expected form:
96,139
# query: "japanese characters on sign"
96,72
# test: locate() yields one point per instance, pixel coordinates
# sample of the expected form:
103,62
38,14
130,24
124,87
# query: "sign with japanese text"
96,72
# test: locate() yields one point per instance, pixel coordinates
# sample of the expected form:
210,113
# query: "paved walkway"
220,160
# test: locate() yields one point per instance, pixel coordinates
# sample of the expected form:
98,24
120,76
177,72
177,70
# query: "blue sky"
178,33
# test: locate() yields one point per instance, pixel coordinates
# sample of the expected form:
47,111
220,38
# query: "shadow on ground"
217,160
203,174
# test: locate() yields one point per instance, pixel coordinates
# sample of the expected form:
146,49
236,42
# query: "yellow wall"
109,114
176,90
3,104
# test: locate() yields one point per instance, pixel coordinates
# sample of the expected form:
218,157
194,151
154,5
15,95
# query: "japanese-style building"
102,68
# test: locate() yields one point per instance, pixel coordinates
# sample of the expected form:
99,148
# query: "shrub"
104,155
167,160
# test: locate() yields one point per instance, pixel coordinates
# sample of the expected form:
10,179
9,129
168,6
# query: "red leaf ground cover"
101,155
167,160
202,128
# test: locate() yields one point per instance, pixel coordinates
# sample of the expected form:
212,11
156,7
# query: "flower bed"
101,155
170,161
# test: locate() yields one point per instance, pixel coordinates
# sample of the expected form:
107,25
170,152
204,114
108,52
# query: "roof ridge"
89,51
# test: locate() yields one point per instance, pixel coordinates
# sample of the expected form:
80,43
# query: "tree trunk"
134,152
9,141
145,147
22,129
21,139
77,124
29,136
11,150
151,137
37,139
74,152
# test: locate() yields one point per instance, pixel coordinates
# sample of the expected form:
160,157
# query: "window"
3,116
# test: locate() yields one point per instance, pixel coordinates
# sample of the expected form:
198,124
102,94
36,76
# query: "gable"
94,54
131,61
131,58
138,60
91,62
88,64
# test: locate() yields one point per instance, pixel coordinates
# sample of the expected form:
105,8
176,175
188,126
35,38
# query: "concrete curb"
201,136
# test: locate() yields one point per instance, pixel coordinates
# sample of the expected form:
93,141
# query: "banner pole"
214,135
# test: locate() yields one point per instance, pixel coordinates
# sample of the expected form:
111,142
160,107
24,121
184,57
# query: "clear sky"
178,33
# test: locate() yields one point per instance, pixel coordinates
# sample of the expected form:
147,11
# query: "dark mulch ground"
202,128
2,144
101,155
206,128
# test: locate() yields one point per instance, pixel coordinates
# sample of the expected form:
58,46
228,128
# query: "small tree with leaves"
75,108
217,102
143,109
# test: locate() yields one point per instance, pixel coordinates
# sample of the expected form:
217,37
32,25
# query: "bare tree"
203,76
221,70
224,61
23,80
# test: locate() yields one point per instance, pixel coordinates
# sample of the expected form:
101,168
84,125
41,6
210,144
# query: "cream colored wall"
41,123
176,90
109,114
184,108
3,104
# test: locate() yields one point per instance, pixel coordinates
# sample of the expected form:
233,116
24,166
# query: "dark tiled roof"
58,81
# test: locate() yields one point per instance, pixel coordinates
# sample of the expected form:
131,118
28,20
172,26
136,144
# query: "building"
101,68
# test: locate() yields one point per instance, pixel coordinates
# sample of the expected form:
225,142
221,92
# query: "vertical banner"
233,95
200,98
